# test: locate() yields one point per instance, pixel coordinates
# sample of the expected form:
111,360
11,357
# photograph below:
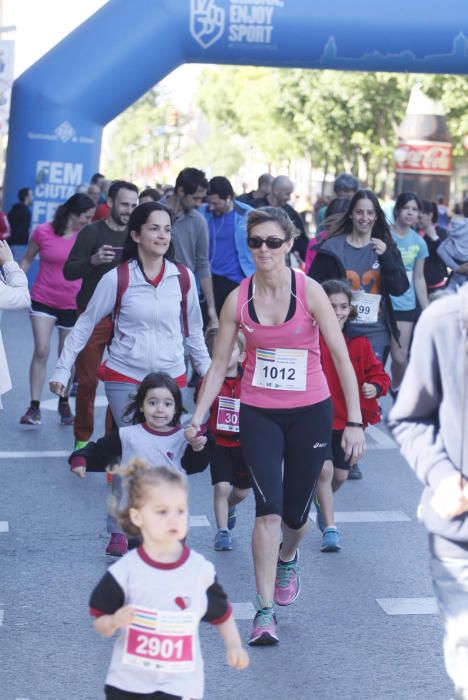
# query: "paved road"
337,641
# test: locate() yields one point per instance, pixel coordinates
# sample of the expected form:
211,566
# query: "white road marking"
199,521
243,611
51,404
381,438
369,516
35,454
4,527
2,617
408,606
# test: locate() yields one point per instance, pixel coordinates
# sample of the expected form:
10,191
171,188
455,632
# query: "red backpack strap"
184,282
122,285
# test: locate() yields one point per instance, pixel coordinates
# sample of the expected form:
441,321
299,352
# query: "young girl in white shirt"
156,596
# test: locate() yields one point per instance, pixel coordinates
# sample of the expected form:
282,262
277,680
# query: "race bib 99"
367,306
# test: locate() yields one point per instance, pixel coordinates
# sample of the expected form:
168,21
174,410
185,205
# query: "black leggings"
117,694
300,438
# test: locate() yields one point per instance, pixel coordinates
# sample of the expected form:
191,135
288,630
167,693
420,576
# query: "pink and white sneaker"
264,627
288,581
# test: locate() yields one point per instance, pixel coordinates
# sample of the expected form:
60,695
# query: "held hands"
194,438
353,444
368,391
5,253
451,497
198,443
379,246
191,431
237,657
105,254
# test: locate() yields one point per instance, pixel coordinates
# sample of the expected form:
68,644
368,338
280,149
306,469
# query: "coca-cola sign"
424,158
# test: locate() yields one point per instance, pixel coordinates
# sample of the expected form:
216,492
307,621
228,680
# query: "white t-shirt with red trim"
168,449
185,588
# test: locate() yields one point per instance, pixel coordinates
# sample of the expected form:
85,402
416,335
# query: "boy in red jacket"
373,382
229,473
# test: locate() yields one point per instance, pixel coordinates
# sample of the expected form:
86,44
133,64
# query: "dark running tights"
299,438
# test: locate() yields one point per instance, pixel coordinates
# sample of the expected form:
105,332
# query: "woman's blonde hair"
138,476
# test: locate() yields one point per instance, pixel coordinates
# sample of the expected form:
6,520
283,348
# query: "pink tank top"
283,368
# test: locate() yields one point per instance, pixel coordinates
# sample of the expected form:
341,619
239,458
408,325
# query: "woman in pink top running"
285,407
53,298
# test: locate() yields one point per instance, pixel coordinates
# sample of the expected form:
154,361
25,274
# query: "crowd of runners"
284,337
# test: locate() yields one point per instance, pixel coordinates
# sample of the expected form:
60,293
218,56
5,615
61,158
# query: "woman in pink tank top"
285,407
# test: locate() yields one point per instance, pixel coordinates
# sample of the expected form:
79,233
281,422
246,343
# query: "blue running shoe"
330,540
223,541
320,522
232,518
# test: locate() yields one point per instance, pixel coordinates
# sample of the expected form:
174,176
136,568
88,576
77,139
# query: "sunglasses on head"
271,242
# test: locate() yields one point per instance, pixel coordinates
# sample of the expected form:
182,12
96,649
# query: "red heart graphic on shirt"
183,603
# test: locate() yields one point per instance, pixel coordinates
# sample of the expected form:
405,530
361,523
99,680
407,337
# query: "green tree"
452,92
139,136
345,121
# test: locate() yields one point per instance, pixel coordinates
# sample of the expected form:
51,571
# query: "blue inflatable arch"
61,104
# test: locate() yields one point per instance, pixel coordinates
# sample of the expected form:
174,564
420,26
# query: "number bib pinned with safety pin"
161,641
281,369
367,306
228,414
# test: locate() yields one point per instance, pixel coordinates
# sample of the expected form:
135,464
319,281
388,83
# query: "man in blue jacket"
230,258
430,422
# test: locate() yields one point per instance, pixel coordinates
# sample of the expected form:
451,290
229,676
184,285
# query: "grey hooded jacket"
429,418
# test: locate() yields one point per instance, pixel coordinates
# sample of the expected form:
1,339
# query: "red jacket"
230,389
368,369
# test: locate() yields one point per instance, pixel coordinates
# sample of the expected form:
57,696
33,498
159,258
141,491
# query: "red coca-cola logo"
428,158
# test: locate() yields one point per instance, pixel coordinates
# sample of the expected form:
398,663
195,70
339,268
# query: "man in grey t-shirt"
190,231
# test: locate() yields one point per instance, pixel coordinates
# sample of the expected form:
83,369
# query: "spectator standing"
53,297
149,195
435,270
97,250
344,187
19,218
281,190
230,256
454,249
429,422
94,192
263,190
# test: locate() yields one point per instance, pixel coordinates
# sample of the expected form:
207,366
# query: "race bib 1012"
282,369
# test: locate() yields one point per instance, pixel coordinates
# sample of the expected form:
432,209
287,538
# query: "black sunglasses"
271,242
